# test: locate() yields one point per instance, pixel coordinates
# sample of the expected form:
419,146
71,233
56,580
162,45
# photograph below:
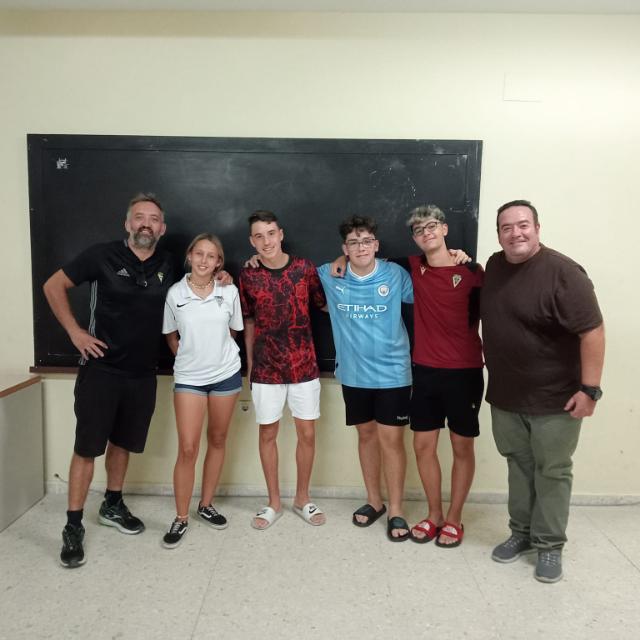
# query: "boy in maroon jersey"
281,359
447,371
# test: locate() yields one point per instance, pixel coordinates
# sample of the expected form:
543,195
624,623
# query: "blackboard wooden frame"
79,186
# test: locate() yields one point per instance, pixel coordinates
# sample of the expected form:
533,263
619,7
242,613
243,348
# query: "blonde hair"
425,212
211,238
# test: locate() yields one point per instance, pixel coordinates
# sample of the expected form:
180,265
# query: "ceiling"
342,6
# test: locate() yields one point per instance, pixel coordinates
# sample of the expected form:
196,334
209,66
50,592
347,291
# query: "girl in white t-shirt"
201,319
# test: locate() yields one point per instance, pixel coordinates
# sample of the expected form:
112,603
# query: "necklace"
199,286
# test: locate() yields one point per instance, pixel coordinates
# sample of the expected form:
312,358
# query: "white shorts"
303,399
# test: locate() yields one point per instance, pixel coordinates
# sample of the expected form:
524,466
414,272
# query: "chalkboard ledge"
161,372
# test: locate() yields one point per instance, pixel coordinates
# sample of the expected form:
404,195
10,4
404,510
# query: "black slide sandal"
368,511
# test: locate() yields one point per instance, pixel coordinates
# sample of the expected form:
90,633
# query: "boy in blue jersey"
373,364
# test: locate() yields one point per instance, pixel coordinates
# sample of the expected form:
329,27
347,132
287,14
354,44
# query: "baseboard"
59,486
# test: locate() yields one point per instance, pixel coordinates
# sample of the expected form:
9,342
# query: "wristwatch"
595,393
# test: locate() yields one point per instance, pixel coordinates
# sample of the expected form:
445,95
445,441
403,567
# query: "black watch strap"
595,393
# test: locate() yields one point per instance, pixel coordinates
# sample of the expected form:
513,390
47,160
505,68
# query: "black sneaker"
174,536
72,554
212,517
120,517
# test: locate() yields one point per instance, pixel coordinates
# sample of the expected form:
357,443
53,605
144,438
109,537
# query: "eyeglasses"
365,242
429,226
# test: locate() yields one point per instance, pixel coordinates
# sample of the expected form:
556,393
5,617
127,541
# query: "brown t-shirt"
532,314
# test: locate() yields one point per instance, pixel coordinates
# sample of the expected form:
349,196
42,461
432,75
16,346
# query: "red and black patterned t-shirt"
278,300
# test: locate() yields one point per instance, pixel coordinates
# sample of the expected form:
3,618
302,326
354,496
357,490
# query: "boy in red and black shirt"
281,359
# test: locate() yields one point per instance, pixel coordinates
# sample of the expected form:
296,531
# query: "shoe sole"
118,526
548,580
397,538
213,525
73,565
423,540
514,558
172,545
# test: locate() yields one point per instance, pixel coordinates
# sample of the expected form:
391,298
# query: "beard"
144,240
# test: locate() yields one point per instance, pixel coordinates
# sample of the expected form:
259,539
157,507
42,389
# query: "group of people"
543,344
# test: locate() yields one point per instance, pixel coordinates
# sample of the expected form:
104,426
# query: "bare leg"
80,476
305,453
425,444
190,408
370,463
269,457
116,463
394,466
220,412
464,464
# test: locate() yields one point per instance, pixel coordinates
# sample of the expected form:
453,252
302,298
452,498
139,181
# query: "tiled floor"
298,581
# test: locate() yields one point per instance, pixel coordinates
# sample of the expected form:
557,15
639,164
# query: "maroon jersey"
278,300
446,315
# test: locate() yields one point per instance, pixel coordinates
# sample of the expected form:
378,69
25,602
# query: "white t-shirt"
206,352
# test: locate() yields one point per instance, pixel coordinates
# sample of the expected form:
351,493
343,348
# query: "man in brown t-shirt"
544,350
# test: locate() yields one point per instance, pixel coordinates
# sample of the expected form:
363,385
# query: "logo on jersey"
383,290
160,276
456,279
123,272
362,311
340,289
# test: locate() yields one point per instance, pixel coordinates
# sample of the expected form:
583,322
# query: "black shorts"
385,406
112,407
451,394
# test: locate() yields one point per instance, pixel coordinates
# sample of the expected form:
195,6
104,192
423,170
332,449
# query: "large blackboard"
79,187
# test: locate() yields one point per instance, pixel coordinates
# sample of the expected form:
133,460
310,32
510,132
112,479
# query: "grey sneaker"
549,567
120,517
510,550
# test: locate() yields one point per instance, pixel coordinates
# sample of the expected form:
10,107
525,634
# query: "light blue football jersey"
372,344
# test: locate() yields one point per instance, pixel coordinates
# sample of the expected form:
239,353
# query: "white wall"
573,153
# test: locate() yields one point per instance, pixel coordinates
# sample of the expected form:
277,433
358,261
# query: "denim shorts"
223,388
